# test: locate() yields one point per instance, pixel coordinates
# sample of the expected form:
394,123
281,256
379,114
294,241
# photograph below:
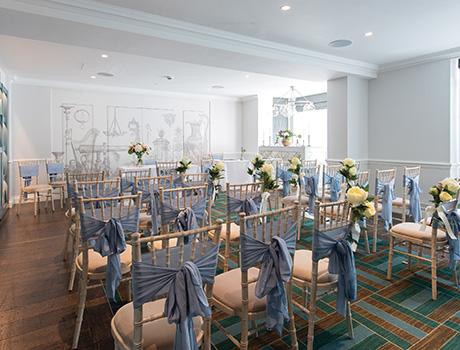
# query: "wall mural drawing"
99,142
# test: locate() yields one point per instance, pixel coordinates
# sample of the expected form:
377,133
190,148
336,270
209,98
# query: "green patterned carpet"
387,315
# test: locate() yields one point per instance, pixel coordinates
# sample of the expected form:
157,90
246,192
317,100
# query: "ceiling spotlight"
217,87
168,77
105,74
104,55
369,34
285,8
93,77
247,76
340,43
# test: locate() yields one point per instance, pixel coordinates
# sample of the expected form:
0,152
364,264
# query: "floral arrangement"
216,173
184,165
361,208
267,177
295,167
349,171
139,149
286,134
444,191
257,164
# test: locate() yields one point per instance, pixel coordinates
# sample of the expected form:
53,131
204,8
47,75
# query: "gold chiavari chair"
71,178
403,202
166,168
195,179
148,186
236,195
95,215
145,325
383,179
128,176
56,179
86,189
312,275
234,291
29,185
310,164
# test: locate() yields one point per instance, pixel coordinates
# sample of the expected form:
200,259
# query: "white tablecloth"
236,172
193,169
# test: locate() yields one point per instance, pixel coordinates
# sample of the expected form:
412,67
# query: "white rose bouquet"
257,164
216,174
184,165
139,149
295,167
445,191
267,176
361,208
349,171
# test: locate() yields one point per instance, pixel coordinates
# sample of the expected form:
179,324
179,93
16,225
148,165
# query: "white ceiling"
39,60
403,28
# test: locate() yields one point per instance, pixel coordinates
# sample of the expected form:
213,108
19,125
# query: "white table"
236,172
194,169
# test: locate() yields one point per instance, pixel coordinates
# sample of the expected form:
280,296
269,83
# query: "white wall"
357,121
249,125
36,132
409,121
337,129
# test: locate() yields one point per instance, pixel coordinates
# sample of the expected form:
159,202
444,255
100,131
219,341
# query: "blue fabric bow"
454,244
334,185
249,206
311,190
275,270
412,184
185,296
285,176
386,190
108,239
333,244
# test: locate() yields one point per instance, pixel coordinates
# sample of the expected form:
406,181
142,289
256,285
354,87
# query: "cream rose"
220,166
352,171
348,162
450,184
445,196
295,161
370,209
356,195
268,168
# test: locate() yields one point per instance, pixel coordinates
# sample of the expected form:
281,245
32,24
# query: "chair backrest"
363,178
174,202
310,164
95,189
149,184
241,192
411,172
384,177
201,252
71,177
55,171
195,179
166,168
206,163
127,177
329,171
28,172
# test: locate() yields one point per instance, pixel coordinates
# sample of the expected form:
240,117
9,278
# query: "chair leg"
292,331
376,224
52,201
61,196
390,258
312,315
81,308
409,258
434,278
18,206
36,203
366,241
73,268
350,321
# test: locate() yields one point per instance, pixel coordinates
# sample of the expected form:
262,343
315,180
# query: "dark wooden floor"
36,311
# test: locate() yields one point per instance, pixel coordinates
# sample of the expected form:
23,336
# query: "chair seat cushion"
157,335
398,202
37,188
414,230
58,184
303,264
289,200
227,290
234,231
98,263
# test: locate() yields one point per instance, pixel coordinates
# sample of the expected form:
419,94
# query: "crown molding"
123,19
432,57
116,89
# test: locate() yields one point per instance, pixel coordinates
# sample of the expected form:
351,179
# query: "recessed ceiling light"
105,74
168,77
369,34
104,55
340,43
285,8
217,87
247,76
93,77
